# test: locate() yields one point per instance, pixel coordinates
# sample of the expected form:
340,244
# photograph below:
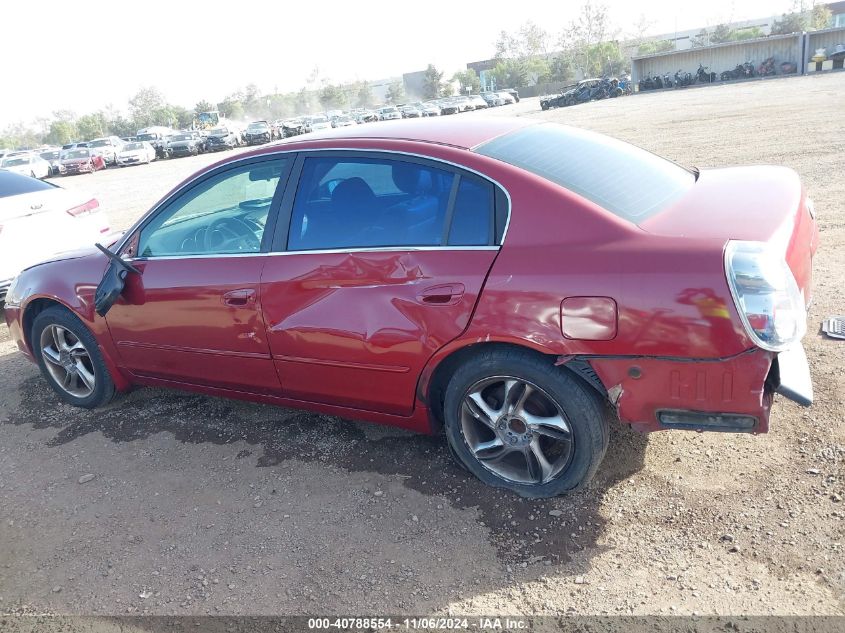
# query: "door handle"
446,294
239,298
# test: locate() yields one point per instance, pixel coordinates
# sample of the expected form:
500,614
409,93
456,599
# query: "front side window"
226,214
369,202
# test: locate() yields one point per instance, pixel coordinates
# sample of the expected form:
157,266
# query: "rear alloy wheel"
516,421
70,359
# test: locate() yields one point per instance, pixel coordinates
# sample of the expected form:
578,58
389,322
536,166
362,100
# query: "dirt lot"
200,505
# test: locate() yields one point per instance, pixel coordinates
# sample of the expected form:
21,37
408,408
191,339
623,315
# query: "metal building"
721,57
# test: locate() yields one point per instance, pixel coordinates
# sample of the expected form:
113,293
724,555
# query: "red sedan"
80,160
510,281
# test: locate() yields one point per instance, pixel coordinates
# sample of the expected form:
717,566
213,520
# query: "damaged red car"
514,283
80,160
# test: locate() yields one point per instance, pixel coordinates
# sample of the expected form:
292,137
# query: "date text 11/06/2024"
433,623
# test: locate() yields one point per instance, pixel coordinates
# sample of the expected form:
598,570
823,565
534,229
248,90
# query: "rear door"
379,260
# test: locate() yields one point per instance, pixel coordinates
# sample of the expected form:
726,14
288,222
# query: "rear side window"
369,202
12,184
624,179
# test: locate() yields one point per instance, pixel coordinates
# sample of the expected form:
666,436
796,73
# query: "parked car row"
161,142
420,109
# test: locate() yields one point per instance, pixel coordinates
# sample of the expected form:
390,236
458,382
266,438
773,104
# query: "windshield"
133,146
219,131
319,119
50,155
624,179
100,143
257,126
14,162
182,137
146,137
388,110
76,153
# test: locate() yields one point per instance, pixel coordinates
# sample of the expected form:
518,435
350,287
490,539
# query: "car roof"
446,131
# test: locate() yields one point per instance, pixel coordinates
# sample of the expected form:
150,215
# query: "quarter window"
472,218
226,214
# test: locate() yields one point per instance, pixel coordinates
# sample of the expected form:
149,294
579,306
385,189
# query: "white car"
506,97
108,146
39,220
389,113
320,123
478,102
26,164
136,152
431,108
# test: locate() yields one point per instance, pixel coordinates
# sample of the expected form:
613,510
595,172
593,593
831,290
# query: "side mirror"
113,281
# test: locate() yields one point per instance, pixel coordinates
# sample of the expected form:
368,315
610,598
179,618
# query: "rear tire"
70,359
516,421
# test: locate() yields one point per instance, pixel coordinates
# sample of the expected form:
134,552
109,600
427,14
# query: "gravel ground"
170,503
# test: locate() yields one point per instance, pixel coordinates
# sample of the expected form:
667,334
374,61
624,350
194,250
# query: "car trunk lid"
764,204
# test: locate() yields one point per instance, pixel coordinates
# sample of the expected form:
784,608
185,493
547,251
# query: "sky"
85,55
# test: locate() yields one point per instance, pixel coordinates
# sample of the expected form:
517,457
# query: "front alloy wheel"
67,361
70,358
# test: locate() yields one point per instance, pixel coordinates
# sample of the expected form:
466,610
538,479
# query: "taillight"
766,295
85,209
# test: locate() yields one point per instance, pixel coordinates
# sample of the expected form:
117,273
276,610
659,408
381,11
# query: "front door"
194,313
384,259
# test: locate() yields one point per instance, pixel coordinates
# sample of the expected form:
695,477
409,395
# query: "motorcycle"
646,83
611,86
748,69
736,73
667,81
683,79
767,68
705,76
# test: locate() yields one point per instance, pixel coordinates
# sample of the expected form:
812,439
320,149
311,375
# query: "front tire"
516,421
70,359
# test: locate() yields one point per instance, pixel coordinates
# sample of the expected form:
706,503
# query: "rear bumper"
729,394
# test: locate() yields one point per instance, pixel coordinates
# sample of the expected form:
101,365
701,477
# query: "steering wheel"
230,234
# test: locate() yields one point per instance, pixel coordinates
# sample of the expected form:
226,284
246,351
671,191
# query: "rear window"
624,179
12,184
